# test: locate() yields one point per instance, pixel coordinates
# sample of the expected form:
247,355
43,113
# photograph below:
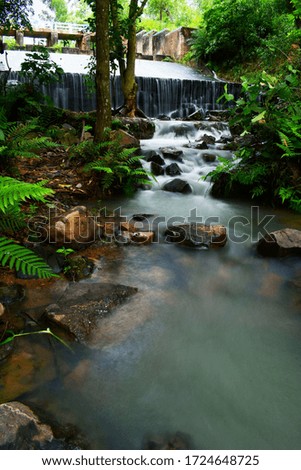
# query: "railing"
66,27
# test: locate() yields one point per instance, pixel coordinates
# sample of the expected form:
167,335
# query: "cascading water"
183,92
210,346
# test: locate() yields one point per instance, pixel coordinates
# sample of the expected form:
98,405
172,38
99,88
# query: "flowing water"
210,345
183,92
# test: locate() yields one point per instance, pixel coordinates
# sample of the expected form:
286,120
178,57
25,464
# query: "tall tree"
125,28
103,112
15,14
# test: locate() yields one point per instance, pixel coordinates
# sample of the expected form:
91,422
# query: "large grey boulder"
178,186
280,243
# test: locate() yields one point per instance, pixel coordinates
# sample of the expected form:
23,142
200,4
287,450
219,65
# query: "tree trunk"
129,85
103,100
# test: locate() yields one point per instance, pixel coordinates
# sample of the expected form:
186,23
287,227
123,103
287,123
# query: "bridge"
152,45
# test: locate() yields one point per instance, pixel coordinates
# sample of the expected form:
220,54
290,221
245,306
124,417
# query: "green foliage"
233,30
15,14
119,168
39,68
21,258
12,194
268,117
20,140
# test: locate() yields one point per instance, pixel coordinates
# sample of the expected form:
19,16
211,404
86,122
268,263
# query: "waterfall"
183,92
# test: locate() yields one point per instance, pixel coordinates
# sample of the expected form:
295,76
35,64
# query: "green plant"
12,194
268,117
39,69
10,336
119,168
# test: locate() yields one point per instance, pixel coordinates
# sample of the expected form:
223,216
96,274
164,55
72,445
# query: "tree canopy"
15,13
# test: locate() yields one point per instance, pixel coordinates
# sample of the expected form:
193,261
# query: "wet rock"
22,429
74,228
79,267
10,294
156,169
177,441
141,128
155,158
280,243
142,217
177,186
201,146
125,139
198,115
83,305
209,157
142,238
172,153
197,235
209,139
173,169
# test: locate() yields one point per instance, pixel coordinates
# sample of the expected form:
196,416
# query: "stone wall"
155,45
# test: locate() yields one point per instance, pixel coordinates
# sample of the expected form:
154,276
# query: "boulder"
10,294
156,169
197,235
177,186
81,307
78,267
209,157
280,243
208,139
22,429
172,153
173,169
74,228
125,139
155,158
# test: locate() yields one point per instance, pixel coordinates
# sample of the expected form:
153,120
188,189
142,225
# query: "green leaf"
259,117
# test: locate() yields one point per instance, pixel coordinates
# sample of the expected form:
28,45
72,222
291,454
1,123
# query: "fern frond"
20,258
13,191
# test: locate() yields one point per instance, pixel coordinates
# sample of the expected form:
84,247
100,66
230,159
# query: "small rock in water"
177,186
172,153
177,441
209,157
173,169
155,158
156,169
280,243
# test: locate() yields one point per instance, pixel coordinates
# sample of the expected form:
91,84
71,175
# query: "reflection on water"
210,346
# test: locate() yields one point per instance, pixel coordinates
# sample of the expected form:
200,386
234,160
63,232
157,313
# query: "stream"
211,344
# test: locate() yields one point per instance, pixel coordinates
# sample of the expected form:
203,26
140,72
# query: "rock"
209,157
22,429
74,228
155,158
125,139
2,309
141,128
280,243
177,441
177,186
172,153
208,139
81,307
78,267
197,235
173,169
156,169
198,115
201,146
142,238
10,294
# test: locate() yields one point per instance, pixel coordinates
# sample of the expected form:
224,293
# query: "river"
211,344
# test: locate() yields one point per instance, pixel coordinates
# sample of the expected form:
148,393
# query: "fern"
21,258
13,192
